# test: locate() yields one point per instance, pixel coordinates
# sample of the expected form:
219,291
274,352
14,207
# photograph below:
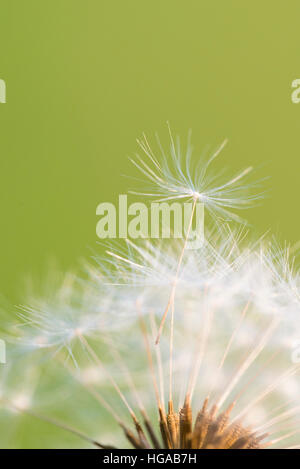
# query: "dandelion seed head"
227,356
212,286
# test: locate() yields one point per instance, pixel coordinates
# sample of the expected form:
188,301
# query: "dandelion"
232,377
223,374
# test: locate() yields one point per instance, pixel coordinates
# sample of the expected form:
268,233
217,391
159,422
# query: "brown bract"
210,429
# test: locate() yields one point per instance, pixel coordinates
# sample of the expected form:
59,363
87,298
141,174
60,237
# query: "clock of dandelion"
182,349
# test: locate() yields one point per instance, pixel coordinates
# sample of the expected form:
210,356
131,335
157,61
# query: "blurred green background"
85,78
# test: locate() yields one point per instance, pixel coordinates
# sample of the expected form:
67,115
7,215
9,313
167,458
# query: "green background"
85,78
